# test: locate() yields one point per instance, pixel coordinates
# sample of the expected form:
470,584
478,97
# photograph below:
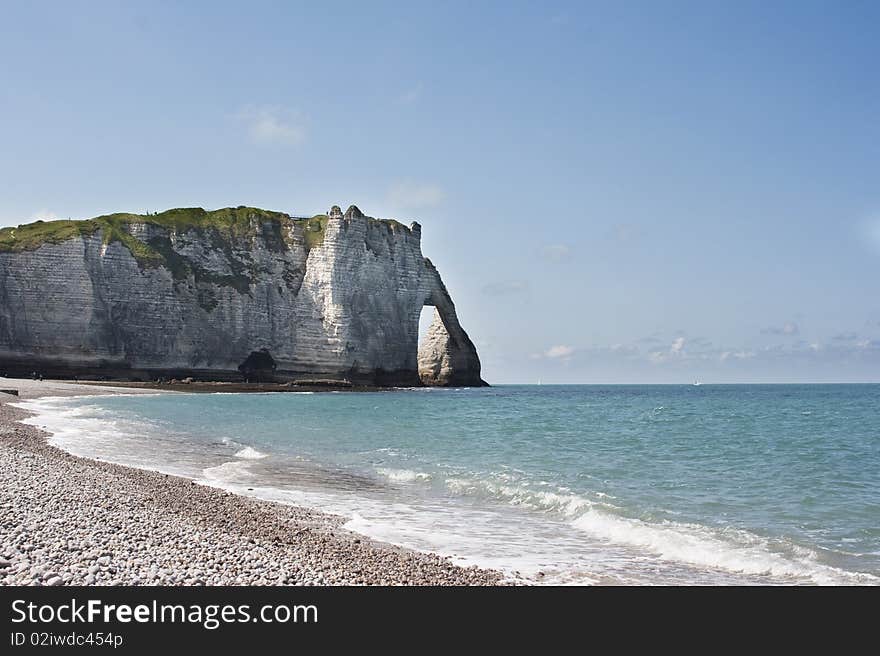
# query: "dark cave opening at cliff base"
259,367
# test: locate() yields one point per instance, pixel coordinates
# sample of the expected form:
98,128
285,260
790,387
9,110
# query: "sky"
639,192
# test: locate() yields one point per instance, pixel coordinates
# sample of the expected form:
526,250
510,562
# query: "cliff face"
226,295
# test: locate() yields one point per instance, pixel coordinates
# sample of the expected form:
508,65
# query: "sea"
573,485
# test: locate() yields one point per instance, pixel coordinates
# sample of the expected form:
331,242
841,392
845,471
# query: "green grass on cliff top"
230,222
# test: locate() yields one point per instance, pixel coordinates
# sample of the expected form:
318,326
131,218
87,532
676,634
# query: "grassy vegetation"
391,223
220,227
34,235
229,223
313,229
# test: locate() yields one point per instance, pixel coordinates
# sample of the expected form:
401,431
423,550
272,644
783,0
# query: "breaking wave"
404,475
731,550
250,453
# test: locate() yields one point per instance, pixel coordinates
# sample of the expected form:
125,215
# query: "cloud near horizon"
558,352
790,329
676,350
677,353
685,359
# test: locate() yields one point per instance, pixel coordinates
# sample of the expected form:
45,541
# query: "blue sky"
613,192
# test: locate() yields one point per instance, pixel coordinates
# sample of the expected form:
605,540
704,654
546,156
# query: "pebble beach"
68,520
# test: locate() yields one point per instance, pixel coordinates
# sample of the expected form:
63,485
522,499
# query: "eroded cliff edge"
226,295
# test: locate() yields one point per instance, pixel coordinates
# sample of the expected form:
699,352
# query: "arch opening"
426,316
428,358
446,355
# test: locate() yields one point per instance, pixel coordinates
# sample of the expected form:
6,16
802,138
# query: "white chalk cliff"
226,295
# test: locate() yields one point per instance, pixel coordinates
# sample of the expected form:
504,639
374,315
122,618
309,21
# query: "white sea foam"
567,505
73,428
250,453
100,433
731,550
232,472
404,475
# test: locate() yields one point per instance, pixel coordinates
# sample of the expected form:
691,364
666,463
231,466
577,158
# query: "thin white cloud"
560,351
788,329
676,350
415,195
681,356
555,252
272,125
736,355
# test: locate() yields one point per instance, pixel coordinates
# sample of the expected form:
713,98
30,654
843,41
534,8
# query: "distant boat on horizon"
697,383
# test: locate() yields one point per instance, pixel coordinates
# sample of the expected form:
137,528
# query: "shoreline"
197,386
69,520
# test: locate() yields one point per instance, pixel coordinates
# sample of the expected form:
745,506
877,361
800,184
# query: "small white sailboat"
697,383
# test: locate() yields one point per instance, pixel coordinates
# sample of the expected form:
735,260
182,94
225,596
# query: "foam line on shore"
732,550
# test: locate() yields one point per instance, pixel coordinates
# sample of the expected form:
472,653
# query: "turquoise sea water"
561,484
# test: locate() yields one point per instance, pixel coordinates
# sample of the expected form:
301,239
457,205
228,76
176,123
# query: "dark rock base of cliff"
257,376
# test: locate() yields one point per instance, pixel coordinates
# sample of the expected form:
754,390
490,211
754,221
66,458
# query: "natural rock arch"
447,356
